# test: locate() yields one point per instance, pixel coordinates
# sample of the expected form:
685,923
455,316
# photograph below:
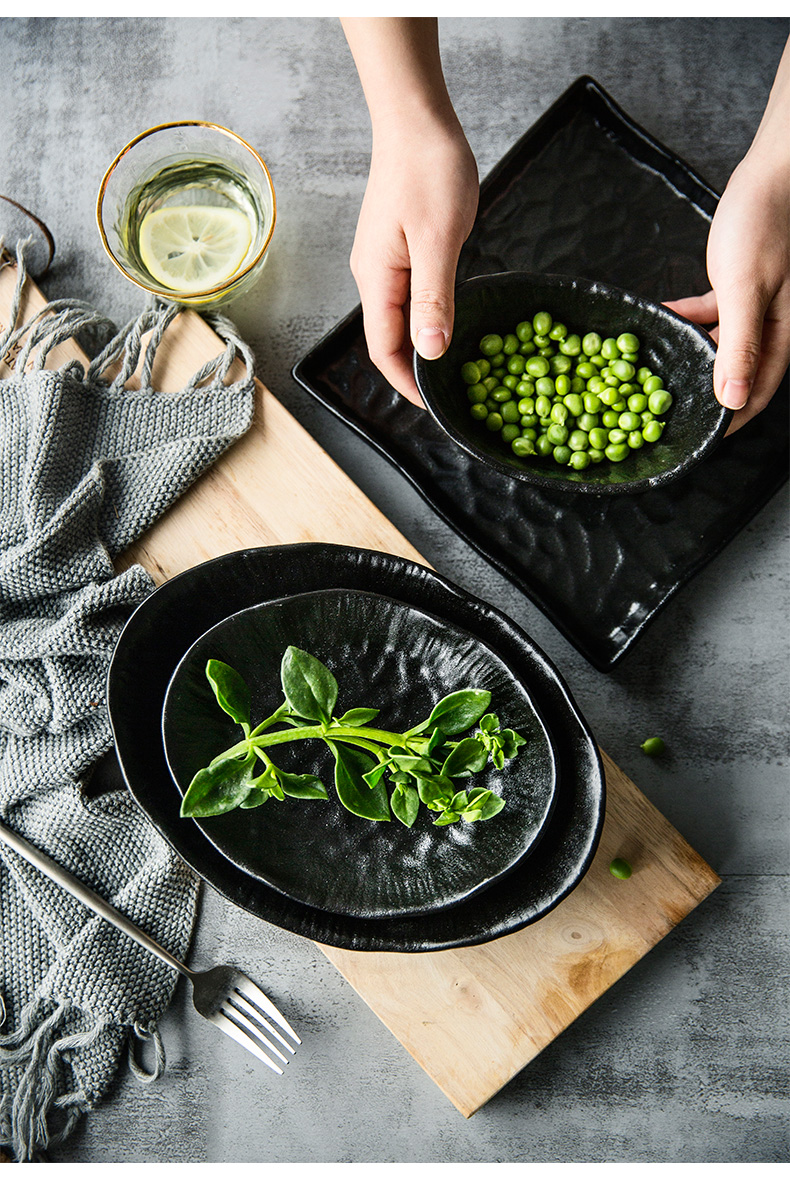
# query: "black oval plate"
382,652
166,624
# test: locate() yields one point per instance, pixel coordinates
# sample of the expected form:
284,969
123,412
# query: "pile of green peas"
576,399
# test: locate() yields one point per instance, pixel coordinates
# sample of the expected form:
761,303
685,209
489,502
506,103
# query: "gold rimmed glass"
186,211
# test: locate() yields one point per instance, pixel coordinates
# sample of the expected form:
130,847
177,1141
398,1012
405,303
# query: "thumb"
432,303
741,317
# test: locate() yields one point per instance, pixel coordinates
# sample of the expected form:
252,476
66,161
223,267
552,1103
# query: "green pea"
510,432
562,454
636,402
498,361
635,440
526,405
479,411
647,416
557,434
616,452
652,383
562,384
484,365
530,421
591,344
632,357
543,341
515,364
470,373
610,418
642,374
586,421
578,460
609,396
578,441
527,348
491,344
490,382
571,346
510,344
559,414
578,385
545,386
477,393
574,403
560,364
543,446
558,332
598,438
586,370
628,388
537,367
620,405
611,380
620,868
598,359
542,323
610,348
596,384
629,421
543,406
526,388
659,401
592,404
522,447
509,412
596,454
617,435
500,394
524,331
654,746
494,421
623,370
628,343
653,431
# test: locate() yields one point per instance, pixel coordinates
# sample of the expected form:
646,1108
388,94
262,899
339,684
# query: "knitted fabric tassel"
86,466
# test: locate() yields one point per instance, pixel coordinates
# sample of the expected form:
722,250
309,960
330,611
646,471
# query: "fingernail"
431,343
735,394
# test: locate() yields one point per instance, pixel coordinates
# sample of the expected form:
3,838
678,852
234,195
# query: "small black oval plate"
383,653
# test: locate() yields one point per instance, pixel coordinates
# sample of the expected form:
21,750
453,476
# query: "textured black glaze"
680,352
384,653
162,629
585,192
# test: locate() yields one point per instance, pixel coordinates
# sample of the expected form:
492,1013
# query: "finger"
432,298
773,364
383,295
741,316
701,309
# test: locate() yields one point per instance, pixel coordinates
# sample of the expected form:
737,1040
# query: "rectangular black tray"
586,192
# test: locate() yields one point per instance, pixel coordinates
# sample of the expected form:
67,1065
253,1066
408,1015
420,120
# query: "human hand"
419,207
748,261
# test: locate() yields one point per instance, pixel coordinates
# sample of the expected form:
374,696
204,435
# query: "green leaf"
372,777
466,758
256,798
359,716
405,804
303,787
435,790
309,687
447,818
410,763
436,740
489,722
231,691
511,741
218,788
487,805
458,711
351,765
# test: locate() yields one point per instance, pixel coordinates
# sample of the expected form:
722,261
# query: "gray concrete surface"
685,1060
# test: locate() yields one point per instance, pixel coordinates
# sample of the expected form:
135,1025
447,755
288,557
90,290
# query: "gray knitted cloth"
85,467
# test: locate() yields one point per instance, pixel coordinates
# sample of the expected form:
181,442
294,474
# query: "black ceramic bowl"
680,352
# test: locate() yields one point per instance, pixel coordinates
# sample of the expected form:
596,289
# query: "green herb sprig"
421,765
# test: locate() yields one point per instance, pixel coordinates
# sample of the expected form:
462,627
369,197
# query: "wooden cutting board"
471,1017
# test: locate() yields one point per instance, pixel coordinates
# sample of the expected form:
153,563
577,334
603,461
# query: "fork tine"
242,1004
250,992
238,1015
245,1040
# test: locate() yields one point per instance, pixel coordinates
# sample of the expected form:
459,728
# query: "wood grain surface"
471,1017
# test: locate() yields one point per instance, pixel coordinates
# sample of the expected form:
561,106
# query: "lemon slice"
191,248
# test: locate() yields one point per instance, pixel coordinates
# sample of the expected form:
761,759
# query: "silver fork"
224,995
